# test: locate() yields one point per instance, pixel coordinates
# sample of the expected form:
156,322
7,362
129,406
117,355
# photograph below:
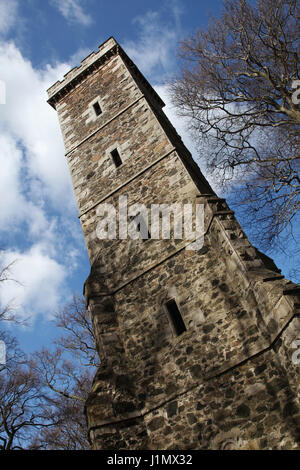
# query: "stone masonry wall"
202,382
226,382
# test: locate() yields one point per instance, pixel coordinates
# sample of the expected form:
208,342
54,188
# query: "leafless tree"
42,398
237,87
21,389
5,312
22,406
68,372
70,432
14,355
78,334
68,387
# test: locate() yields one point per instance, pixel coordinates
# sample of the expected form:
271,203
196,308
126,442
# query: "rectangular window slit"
175,317
116,158
97,108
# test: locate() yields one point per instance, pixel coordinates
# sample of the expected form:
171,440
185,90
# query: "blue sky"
40,40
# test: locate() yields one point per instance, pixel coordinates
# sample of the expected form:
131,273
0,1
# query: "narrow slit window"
175,317
116,158
97,108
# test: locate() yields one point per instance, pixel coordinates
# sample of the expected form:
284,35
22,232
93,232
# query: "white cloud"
32,124
73,12
40,286
8,15
15,208
37,203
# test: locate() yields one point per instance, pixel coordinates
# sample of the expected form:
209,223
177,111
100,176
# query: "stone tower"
196,346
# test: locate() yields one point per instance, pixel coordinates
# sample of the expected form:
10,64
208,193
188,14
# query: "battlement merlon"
92,62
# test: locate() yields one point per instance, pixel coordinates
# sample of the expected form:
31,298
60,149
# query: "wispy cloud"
73,11
8,15
78,56
154,49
